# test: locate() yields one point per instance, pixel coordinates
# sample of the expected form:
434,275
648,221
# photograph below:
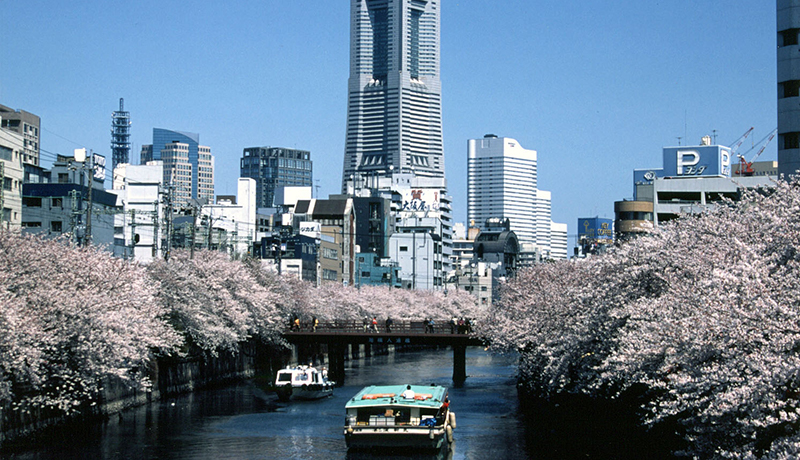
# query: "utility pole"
74,215
156,238
170,224
133,234
194,230
2,196
88,239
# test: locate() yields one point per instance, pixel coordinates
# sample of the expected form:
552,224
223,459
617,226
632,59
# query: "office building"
188,166
788,26
27,125
12,149
692,179
74,204
394,116
273,167
502,183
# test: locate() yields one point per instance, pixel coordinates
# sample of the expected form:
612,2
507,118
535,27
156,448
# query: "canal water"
244,422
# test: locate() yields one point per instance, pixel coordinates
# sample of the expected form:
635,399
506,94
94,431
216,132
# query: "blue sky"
597,88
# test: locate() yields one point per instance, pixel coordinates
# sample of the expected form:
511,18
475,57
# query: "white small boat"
303,382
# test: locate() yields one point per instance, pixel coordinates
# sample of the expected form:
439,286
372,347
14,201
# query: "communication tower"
120,136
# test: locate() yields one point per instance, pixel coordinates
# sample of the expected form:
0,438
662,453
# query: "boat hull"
423,438
304,392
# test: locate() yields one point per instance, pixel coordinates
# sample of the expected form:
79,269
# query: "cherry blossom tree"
704,314
216,302
71,318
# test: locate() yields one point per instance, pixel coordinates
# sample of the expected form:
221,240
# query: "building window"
403,248
789,88
330,275
55,226
788,37
32,201
31,225
329,253
791,140
7,184
57,203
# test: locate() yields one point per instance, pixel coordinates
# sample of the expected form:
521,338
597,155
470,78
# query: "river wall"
171,376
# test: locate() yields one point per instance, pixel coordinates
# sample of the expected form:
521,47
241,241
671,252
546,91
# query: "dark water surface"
244,422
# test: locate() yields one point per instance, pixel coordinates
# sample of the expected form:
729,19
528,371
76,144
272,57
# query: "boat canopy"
390,395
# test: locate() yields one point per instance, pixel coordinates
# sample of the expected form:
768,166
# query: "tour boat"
303,382
381,417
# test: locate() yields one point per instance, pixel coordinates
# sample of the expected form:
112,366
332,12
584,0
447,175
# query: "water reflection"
244,422
444,454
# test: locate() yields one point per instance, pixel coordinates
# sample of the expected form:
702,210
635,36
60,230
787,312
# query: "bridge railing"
397,326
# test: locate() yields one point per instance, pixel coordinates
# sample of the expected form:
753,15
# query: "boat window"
302,377
284,377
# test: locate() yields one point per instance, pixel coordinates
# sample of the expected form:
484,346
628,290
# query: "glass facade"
273,167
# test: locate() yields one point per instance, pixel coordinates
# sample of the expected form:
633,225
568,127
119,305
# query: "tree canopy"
704,313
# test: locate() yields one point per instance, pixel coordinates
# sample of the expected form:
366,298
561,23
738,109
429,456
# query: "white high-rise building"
502,183
543,221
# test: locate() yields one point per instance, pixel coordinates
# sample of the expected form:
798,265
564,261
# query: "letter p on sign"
687,158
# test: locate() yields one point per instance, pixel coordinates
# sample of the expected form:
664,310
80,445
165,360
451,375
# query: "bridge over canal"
337,335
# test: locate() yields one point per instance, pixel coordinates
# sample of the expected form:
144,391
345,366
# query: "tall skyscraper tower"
502,183
120,136
394,115
273,167
788,17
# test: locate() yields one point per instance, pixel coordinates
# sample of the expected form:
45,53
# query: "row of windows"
330,275
56,226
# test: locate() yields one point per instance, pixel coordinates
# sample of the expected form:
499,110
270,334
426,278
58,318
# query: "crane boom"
746,167
735,146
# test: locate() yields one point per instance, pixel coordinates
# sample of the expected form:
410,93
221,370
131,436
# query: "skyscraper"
502,183
788,25
273,167
188,166
394,115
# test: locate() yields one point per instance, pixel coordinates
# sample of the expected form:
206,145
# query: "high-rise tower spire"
394,114
120,135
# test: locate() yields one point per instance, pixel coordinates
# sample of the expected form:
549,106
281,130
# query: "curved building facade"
788,26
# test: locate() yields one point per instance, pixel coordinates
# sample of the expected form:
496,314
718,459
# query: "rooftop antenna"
679,140
714,133
317,189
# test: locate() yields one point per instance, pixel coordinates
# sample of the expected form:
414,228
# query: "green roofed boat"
406,416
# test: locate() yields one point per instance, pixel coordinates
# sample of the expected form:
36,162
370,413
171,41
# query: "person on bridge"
389,324
366,324
408,393
296,324
314,324
374,324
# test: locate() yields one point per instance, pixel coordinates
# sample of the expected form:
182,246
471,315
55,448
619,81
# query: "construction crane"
735,146
746,167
